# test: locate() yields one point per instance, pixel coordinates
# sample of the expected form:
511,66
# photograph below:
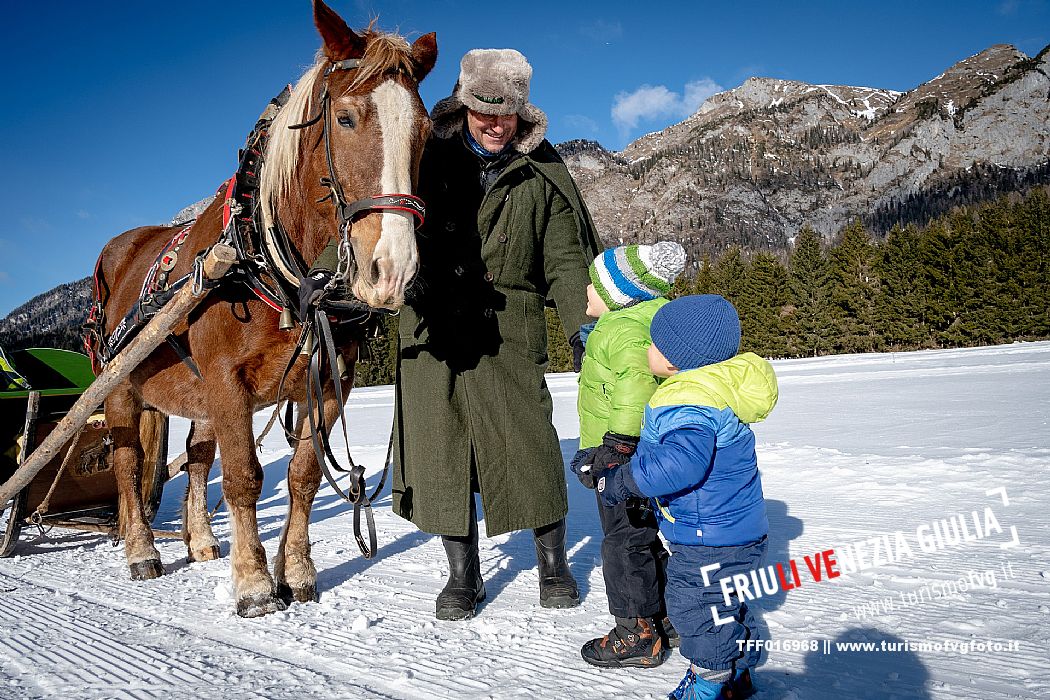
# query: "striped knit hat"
628,274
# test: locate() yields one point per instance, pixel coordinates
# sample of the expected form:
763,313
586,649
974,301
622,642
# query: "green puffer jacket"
615,382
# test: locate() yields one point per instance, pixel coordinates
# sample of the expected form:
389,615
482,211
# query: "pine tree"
854,290
900,305
939,306
728,275
705,279
1032,223
809,287
761,307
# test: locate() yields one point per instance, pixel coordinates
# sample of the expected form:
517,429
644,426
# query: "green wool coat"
471,402
615,382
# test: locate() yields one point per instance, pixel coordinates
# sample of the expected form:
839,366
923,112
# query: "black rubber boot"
459,598
557,586
634,642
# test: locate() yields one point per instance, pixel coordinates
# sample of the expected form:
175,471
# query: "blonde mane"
384,53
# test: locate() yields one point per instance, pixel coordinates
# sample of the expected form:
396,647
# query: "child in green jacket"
628,286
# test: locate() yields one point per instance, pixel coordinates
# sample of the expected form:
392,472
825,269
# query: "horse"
353,125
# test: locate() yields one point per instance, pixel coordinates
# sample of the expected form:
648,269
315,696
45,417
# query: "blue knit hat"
628,274
695,331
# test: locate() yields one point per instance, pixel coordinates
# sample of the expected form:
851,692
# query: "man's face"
492,131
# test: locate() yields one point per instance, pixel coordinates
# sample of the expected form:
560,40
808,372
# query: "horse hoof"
259,604
204,554
145,570
303,594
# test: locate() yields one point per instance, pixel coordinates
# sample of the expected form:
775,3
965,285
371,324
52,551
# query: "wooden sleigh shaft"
218,261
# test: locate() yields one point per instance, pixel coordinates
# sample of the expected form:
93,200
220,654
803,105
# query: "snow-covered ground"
859,447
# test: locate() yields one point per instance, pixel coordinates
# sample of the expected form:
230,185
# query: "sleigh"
76,488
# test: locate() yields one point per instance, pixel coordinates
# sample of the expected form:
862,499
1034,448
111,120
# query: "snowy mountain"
755,164
861,448
53,319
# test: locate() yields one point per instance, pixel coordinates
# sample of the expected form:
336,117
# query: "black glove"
581,466
616,485
577,351
310,289
616,449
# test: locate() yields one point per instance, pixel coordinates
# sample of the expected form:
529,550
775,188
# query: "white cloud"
581,122
602,30
34,224
83,214
657,102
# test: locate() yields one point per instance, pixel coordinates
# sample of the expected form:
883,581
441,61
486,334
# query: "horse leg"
293,568
123,412
242,479
201,544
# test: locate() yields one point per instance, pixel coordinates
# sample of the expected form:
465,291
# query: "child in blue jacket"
697,459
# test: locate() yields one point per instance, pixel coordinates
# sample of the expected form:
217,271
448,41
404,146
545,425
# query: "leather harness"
271,266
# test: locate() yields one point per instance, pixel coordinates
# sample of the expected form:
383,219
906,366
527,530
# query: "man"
506,231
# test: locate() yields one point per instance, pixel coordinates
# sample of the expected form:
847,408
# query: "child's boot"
739,687
634,642
714,685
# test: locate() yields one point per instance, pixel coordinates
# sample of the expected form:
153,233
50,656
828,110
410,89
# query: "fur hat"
626,275
696,331
493,81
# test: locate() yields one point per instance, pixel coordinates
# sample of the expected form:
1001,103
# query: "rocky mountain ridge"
757,163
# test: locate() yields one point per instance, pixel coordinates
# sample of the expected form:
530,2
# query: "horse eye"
344,119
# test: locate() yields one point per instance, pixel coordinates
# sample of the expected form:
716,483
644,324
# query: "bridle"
317,331
348,212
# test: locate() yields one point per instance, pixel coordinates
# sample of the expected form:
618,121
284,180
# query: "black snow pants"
634,561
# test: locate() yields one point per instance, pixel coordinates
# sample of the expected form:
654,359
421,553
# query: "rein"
272,267
317,340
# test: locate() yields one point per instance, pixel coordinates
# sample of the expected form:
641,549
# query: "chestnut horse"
369,139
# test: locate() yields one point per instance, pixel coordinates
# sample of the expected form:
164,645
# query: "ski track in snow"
859,446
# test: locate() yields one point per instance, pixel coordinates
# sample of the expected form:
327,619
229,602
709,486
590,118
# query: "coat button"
502,238
450,226
458,271
489,277
488,313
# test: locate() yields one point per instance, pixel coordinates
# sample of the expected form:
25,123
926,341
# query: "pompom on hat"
696,331
626,275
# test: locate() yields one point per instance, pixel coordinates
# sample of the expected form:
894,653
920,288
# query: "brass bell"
286,323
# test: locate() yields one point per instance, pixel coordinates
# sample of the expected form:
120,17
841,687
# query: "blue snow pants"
689,604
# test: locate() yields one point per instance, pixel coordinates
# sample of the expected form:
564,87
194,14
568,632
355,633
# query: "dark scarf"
491,164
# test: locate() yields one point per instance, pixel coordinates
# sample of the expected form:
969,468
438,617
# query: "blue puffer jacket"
697,453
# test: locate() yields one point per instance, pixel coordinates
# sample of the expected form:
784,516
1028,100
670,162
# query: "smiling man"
506,231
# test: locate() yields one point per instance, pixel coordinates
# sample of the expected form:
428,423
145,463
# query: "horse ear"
424,54
340,42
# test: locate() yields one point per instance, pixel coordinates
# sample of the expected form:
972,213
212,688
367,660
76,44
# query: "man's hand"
310,289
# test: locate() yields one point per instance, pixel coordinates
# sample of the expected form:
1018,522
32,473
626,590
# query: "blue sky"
118,114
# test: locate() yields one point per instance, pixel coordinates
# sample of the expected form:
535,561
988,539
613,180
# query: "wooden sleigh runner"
76,488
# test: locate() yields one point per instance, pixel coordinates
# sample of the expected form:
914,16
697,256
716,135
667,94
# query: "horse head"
344,155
